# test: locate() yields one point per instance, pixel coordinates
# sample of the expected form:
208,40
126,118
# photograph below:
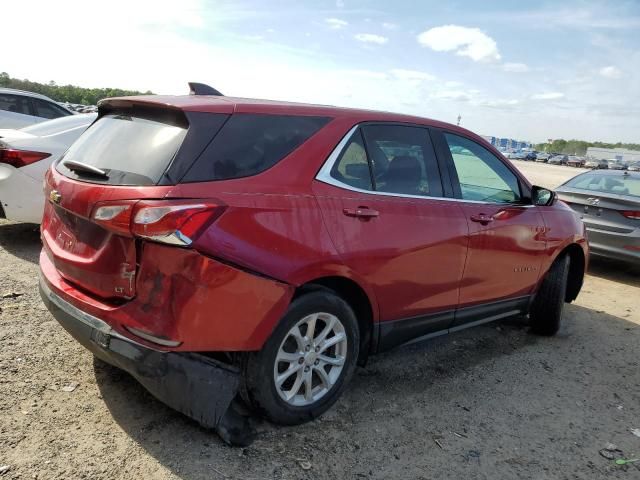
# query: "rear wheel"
306,363
547,307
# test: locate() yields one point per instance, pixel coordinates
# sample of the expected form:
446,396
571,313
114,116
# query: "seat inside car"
403,175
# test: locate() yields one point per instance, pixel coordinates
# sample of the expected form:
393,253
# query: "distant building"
613,154
507,143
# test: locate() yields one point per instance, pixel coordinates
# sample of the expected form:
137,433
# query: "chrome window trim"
324,176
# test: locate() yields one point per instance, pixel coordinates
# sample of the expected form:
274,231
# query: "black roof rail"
196,88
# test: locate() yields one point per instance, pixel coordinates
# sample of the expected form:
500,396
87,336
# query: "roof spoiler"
196,88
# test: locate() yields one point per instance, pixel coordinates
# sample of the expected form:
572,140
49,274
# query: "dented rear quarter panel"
183,295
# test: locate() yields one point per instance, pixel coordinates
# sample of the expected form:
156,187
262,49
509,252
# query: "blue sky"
527,70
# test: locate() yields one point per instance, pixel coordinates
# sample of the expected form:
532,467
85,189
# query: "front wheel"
306,363
547,307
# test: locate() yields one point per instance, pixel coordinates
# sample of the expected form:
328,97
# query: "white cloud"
371,38
610,72
499,103
389,26
457,95
412,75
336,23
368,74
464,41
515,67
547,96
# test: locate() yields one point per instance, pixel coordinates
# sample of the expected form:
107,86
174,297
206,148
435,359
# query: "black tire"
259,388
546,311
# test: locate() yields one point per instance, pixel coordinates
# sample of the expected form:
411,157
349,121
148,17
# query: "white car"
25,156
19,109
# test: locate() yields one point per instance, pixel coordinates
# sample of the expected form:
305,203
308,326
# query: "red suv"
212,246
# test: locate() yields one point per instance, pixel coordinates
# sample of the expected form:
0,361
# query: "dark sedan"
609,204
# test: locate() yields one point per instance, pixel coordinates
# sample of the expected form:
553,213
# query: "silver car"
20,109
609,204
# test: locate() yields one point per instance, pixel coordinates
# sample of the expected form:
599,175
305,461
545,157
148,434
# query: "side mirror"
542,197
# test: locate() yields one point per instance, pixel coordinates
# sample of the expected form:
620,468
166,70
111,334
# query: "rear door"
506,232
381,198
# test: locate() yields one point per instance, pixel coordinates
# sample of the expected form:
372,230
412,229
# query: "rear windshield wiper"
80,167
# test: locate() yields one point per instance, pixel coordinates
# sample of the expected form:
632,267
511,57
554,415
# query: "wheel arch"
357,298
577,267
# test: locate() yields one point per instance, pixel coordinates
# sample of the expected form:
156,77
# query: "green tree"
67,93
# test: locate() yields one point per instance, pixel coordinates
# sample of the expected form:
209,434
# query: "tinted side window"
249,144
482,176
403,160
352,167
47,109
15,103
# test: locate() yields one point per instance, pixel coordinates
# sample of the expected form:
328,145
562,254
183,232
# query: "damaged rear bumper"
193,384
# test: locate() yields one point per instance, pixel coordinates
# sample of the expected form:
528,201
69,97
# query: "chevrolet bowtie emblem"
54,196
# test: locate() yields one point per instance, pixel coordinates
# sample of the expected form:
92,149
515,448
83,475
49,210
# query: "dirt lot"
493,402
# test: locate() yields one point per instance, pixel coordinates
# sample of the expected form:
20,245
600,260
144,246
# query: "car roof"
24,93
224,104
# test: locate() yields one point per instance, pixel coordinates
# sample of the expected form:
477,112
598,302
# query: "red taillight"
115,216
633,214
20,158
173,222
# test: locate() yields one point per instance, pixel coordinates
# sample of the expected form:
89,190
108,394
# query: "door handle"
482,219
361,212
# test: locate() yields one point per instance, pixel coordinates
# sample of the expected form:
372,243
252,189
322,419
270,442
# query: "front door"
383,208
506,233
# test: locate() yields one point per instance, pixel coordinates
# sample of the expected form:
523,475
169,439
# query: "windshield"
615,184
131,150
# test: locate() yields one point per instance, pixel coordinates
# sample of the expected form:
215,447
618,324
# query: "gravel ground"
489,403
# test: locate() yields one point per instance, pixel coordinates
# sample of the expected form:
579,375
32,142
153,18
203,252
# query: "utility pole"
459,118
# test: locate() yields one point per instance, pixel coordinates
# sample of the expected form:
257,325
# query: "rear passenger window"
249,144
352,167
403,160
15,104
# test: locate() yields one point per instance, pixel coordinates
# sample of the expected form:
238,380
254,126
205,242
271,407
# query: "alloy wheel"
310,359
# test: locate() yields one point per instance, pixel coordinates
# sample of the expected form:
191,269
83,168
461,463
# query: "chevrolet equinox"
216,247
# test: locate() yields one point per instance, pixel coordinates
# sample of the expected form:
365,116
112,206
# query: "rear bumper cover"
193,384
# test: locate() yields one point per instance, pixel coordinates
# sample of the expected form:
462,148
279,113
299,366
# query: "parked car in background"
511,155
542,157
521,156
558,160
616,165
597,164
19,109
634,167
25,156
576,161
531,156
609,203
271,248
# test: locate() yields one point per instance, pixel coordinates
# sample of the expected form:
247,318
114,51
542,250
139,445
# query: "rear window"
131,150
620,185
249,144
